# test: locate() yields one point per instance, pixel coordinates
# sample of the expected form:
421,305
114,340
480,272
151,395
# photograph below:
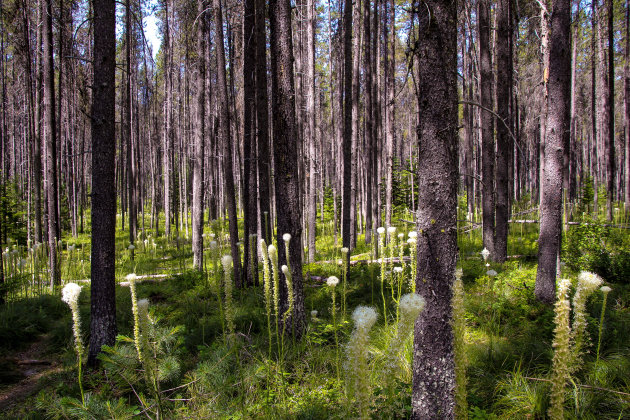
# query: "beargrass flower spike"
605,290
459,346
357,353
587,284
226,261
561,371
70,295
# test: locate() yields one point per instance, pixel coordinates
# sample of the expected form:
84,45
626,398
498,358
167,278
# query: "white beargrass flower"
380,230
398,270
285,269
332,281
391,230
131,247
70,294
344,250
314,314
412,241
459,273
491,273
413,234
226,261
587,283
411,305
357,353
605,289
286,237
132,277
485,254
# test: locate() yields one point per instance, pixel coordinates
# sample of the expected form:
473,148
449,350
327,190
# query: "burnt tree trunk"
437,131
557,129
103,292
250,209
346,225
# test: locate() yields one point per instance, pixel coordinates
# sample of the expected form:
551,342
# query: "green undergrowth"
202,372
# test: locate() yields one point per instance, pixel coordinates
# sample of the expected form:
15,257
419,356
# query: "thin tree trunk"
226,137
199,147
51,145
610,108
311,138
504,145
168,121
103,292
557,129
346,224
626,99
436,93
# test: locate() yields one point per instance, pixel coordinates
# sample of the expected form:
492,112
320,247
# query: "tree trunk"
436,78
288,206
487,129
199,147
557,129
504,145
626,100
103,292
369,122
610,108
226,137
168,122
593,159
51,145
346,225
262,124
311,138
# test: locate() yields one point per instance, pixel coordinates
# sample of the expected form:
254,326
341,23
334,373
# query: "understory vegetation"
176,356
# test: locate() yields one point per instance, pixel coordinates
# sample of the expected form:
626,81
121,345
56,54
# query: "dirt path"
32,364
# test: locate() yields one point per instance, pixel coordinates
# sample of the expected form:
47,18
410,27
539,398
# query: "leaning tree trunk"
436,63
51,145
487,129
199,149
226,137
103,291
285,152
557,128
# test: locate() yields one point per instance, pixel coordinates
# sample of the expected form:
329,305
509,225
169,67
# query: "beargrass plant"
587,284
267,289
459,346
413,242
332,283
605,290
273,258
70,295
226,262
381,246
357,354
562,357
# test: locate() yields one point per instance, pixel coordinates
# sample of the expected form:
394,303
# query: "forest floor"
31,365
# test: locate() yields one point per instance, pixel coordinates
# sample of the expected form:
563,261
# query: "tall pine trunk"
436,63
557,128
287,188
103,292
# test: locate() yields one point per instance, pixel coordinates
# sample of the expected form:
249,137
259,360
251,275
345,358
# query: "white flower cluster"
344,250
380,230
411,305
391,230
70,294
364,317
286,237
605,289
485,254
226,260
589,282
332,281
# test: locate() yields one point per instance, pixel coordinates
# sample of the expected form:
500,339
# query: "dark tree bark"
436,93
487,129
626,101
131,190
262,123
557,128
369,122
103,292
226,137
593,166
51,145
504,144
346,225
199,147
288,203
